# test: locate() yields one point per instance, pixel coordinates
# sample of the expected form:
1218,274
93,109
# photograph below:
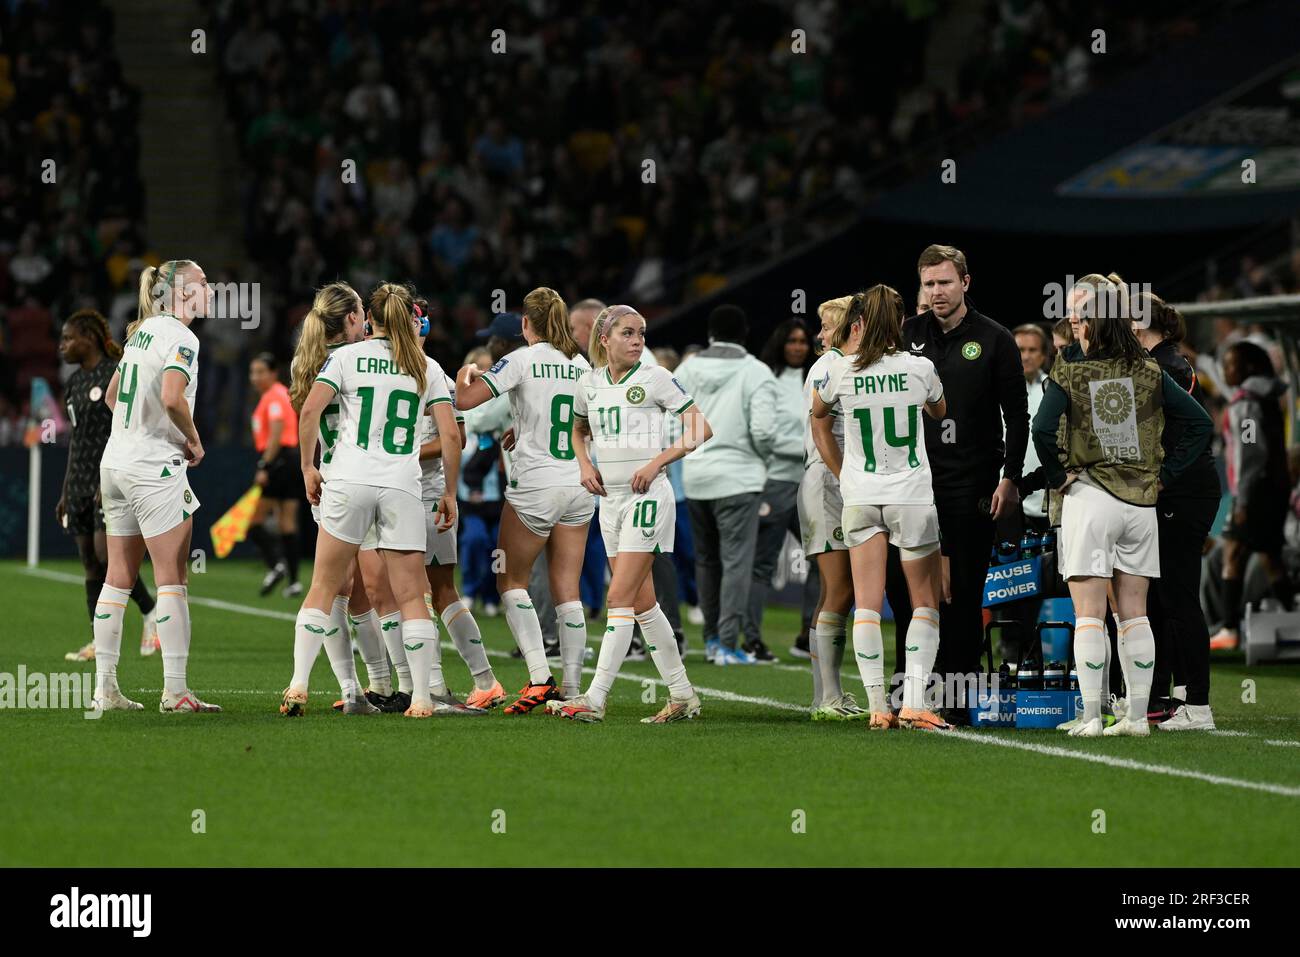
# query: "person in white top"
820,508
335,320
880,391
621,408
147,500
546,505
384,386
440,568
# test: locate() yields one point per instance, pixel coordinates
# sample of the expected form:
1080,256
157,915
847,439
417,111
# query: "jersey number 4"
124,394
892,438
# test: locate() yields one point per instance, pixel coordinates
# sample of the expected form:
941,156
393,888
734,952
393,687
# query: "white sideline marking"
957,735
1230,734
1126,763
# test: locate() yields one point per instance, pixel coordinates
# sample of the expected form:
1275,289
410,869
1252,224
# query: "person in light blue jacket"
724,478
789,355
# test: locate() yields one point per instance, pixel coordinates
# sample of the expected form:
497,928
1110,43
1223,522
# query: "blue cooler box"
1044,708
992,709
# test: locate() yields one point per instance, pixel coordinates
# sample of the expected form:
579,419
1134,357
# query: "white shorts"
820,506
136,505
439,546
639,523
913,529
1100,534
350,512
541,509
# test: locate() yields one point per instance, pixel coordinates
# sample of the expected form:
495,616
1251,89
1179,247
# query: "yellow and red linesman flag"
232,528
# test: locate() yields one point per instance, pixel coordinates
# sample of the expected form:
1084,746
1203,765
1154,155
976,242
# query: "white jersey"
541,384
432,481
628,417
329,420
144,441
817,375
885,461
377,438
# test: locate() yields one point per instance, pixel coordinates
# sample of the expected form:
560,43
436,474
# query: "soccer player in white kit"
147,500
820,512
546,505
440,569
336,319
623,407
884,477
384,387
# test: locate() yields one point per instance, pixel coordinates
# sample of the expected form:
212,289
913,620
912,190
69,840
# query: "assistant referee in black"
974,470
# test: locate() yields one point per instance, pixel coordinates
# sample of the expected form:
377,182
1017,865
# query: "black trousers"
967,532
1174,601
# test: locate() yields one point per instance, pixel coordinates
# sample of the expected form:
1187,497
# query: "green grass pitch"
754,782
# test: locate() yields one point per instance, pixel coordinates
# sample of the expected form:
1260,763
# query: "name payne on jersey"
74,910
875,384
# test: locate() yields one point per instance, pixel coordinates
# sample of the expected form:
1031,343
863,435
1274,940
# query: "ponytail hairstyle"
549,318
89,322
1165,319
158,287
392,307
881,310
324,324
1107,311
835,310
603,325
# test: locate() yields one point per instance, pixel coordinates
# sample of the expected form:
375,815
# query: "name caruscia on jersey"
377,437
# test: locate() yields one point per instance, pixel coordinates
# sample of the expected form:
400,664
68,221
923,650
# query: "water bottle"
1029,545
1048,542
1054,676
1006,552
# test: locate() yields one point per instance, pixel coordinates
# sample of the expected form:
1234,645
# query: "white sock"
173,636
828,639
308,635
338,648
869,648
390,629
1137,648
372,653
816,668
460,624
1105,672
420,640
1180,692
571,624
613,649
108,636
1090,644
523,624
922,648
660,641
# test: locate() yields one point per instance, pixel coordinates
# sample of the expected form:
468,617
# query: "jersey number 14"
892,438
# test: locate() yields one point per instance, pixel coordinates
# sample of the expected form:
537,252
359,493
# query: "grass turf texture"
723,790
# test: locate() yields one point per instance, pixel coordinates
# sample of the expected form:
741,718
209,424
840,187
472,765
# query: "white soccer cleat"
1071,724
674,710
185,703
114,701
1129,728
84,653
843,708
149,642
576,708
1087,729
1189,717
358,704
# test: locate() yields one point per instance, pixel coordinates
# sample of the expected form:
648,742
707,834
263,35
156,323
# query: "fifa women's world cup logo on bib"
1114,419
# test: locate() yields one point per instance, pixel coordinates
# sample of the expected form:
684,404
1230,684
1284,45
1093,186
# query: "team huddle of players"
380,444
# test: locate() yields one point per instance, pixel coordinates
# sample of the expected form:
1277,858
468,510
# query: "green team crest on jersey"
636,395
972,350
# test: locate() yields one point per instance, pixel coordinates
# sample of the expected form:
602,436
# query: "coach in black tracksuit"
1185,511
974,471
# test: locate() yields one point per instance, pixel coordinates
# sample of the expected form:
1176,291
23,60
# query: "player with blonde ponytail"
384,386
147,500
546,504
